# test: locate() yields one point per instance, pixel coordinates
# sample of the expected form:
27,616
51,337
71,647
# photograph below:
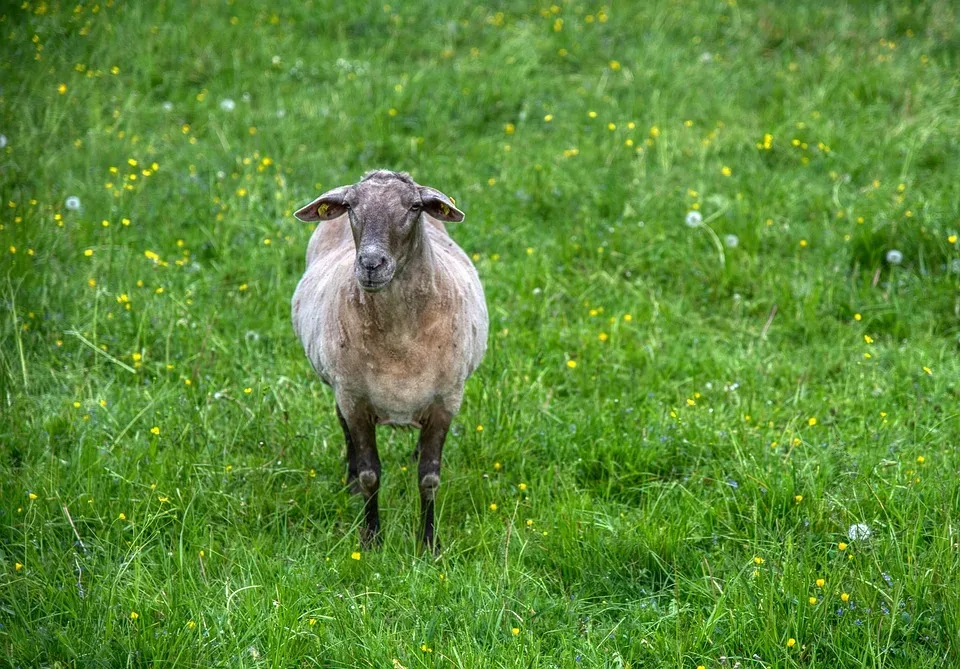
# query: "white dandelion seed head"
228,105
859,532
168,106
72,203
281,113
732,241
3,141
894,257
694,218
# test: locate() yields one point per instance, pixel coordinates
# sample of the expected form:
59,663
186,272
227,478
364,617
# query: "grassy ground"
675,428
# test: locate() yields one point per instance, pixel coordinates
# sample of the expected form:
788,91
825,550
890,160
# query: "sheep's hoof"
370,539
431,546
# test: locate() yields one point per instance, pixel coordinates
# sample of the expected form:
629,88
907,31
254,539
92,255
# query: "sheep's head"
385,211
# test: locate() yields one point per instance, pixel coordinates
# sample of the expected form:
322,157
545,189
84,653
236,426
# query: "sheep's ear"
327,207
439,205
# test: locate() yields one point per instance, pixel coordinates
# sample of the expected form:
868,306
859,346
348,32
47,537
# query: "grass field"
719,416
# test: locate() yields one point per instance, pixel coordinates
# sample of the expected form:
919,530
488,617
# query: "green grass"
731,412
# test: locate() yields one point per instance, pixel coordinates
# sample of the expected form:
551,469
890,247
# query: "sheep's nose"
372,260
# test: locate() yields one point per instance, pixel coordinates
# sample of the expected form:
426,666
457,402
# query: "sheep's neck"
408,300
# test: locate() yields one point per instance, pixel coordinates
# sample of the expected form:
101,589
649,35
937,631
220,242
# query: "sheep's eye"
417,208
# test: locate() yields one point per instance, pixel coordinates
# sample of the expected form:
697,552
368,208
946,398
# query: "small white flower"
732,241
281,113
694,218
858,532
72,203
275,60
168,106
228,105
894,257
245,97
3,141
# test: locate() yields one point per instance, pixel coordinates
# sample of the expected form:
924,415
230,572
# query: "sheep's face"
385,215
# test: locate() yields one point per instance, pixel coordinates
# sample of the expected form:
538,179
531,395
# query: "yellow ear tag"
322,209
446,209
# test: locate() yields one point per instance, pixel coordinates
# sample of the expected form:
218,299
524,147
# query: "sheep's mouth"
373,285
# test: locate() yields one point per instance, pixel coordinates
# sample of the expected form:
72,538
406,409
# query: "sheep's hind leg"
430,448
352,483
362,428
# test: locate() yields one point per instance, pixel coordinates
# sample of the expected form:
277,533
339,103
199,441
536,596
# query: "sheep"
392,316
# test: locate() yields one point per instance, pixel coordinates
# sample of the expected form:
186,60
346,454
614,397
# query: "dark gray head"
385,214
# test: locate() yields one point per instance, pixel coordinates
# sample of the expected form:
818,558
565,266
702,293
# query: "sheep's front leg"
361,428
430,447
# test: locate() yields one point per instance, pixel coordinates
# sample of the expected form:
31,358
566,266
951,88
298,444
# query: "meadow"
718,420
